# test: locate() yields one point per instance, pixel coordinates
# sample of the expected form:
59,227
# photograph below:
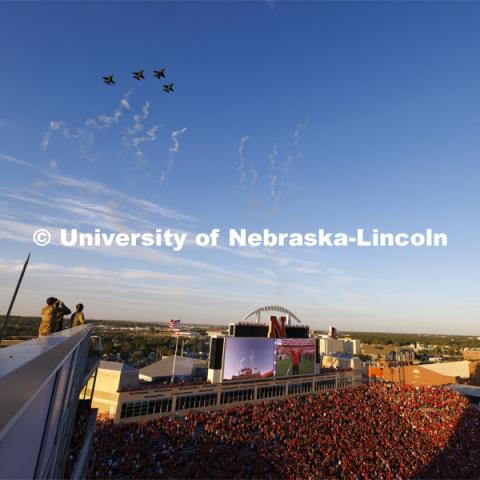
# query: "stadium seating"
378,431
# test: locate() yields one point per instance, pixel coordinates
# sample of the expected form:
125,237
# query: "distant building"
472,354
422,375
214,333
328,344
190,334
375,351
342,361
351,346
112,377
185,369
392,353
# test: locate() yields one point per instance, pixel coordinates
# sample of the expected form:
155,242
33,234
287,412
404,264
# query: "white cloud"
107,121
172,151
138,119
150,136
56,126
241,156
296,146
273,178
242,166
101,122
53,165
94,187
278,175
88,273
176,144
10,159
298,129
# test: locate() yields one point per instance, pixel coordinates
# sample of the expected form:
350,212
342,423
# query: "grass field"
304,367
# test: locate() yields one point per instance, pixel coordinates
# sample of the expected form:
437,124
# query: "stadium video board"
294,356
248,358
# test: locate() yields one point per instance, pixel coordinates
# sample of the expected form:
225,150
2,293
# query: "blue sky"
351,114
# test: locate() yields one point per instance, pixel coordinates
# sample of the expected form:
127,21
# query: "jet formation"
139,75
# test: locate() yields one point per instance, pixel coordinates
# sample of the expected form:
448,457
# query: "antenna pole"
175,359
7,316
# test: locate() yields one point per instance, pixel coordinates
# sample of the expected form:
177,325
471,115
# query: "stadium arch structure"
257,313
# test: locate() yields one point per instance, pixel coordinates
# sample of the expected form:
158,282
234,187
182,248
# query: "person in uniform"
52,316
49,318
62,310
78,318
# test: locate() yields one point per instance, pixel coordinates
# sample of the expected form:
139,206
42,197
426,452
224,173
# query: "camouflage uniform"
61,310
49,321
78,319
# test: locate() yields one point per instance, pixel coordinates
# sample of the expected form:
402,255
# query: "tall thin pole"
175,357
7,316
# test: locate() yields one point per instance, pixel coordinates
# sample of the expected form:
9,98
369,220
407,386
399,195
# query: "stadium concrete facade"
42,389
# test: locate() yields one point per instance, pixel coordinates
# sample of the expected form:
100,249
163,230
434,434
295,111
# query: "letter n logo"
276,330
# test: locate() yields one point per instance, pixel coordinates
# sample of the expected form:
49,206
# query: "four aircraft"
160,73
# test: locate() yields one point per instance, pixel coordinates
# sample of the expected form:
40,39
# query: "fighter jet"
108,80
159,73
168,87
138,75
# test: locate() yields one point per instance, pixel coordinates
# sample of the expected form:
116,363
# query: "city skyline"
285,116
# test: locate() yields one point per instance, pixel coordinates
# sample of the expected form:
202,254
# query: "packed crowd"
378,431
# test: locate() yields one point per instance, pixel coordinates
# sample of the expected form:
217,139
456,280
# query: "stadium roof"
452,369
116,366
184,366
467,390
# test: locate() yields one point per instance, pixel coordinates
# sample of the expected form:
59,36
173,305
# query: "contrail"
273,178
172,151
241,155
296,145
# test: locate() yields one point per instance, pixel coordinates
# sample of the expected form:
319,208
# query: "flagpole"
175,357
7,316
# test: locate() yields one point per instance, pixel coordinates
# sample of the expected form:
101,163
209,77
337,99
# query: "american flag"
175,327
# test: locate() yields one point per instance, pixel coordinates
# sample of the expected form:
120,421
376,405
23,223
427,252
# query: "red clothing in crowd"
380,431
